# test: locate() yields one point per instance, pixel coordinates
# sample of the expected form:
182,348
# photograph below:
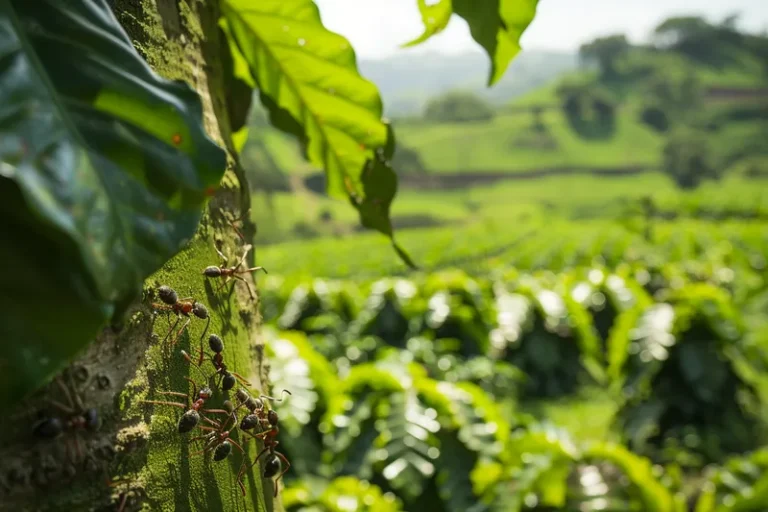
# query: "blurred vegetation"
588,329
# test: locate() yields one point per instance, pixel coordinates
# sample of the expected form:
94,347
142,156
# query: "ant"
218,439
232,272
228,379
266,420
77,418
181,307
274,458
191,416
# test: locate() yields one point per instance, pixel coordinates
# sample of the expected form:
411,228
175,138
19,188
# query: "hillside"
407,82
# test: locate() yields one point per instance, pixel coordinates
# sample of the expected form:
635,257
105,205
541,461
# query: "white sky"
377,27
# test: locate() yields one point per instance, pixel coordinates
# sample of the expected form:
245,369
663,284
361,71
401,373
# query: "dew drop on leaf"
302,41
286,28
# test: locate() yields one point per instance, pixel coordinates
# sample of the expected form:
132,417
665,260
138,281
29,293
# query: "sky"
377,27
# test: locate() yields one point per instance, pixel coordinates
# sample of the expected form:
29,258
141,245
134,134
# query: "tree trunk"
137,460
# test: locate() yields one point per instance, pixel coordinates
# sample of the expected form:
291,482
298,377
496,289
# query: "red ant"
259,417
218,439
273,463
228,379
191,416
269,436
232,272
77,418
181,307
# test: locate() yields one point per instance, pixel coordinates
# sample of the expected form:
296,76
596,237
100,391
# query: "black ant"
191,416
181,307
259,416
218,439
77,418
228,379
274,458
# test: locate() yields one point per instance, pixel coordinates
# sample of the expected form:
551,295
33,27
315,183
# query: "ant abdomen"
272,418
212,271
222,451
216,343
228,382
48,428
188,421
167,295
249,422
272,466
92,420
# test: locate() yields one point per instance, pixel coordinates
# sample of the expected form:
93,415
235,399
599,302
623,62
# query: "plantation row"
424,390
544,244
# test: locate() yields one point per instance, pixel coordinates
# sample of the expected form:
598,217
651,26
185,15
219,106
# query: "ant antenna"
184,354
282,397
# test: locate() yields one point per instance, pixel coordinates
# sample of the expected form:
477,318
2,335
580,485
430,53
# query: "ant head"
205,393
254,404
228,382
272,466
222,451
167,295
272,418
216,343
200,311
92,421
212,271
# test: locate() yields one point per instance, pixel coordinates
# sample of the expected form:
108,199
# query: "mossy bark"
137,460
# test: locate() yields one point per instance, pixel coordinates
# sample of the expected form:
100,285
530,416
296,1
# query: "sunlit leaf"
497,26
308,80
435,16
104,169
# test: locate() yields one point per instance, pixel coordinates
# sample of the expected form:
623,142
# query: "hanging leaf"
435,17
497,26
104,169
308,80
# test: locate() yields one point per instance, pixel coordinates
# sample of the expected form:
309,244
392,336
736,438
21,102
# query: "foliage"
104,165
496,25
458,107
688,159
340,495
605,51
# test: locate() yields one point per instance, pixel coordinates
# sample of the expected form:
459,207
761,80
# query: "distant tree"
672,98
589,108
688,159
696,38
458,107
407,161
606,51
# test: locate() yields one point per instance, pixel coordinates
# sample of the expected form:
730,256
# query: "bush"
458,107
688,159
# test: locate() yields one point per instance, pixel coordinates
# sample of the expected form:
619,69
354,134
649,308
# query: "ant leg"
174,393
212,422
162,402
178,318
241,379
247,285
286,466
207,324
215,411
63,408
181,331
221,255
194,365
246,250
253,269
66,393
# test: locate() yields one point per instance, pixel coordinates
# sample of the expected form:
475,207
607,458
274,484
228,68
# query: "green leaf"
308,81
435,18
497,26
104,169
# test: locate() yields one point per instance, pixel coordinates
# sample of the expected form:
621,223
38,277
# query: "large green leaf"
308,80
104,168
496,25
